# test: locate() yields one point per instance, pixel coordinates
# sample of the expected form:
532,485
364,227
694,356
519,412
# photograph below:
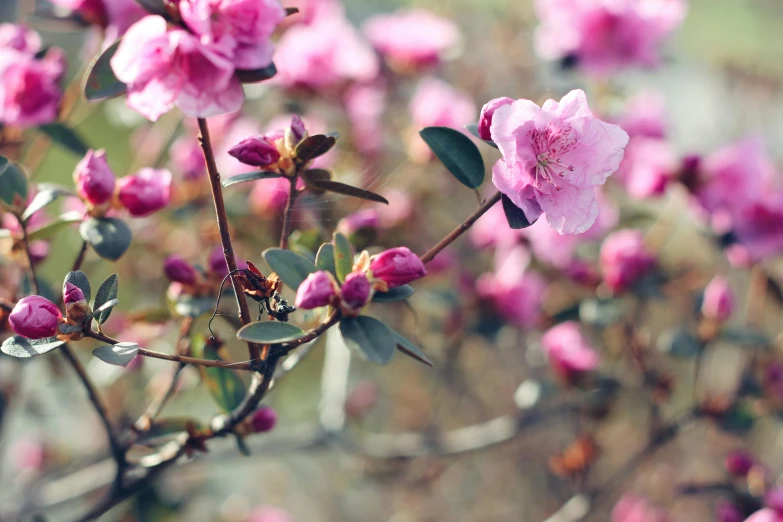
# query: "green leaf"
473,129
50,230
42,198
223,384
109,237
249,176
680,343
119,355
270,332
369,337
170,426
343,255
458,153
324,259
24,348
395,294
291,267
13,184
313,147
256,75
514,215
744,336
66,137
410,349
348,190
79,279
100,82
106,293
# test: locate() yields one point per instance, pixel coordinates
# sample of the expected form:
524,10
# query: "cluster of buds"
141,194
36,317
389,269
274,151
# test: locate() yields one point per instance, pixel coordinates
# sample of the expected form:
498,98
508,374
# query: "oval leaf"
249,176
50,230
343,255
410,349
66,137
109,237
119,355
42,198
13,183
515,215
348,190
324,259
270,332
314,146
100,82
473,129
256,75
223,384
291,267
458,153
369,337
24,348
107,292
395,294
79,279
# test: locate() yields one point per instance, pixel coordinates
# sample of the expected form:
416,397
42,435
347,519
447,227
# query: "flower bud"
145,192
264,419
35,317
356,290
72,294
319,289
487,112
739,463
569,352
298,130
179,271
625,259
94,179
256,151
718,300
397,266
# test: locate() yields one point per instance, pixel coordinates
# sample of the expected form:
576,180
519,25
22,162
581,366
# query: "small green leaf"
223,384
514,215
313,176
66,137
24,348
348,190
50,230
313,147
79,279
473,129
249,176
291,267
369,337
395,294
343,255
109,237
42,198
119,355
256,75
270,332
13,184
458,153
241,445
324,259
744,337
106,293
100,82
410,349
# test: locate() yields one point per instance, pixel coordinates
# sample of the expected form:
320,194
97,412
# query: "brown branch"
77,263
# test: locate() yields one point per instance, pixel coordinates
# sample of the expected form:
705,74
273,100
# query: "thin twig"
77,263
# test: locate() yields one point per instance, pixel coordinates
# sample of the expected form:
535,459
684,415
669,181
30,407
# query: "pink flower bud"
739,463
624,259
397,266
569,352
179,271
319,289
356,290
94,179
256,151
72,294
298,130
264,419
485,120
35,317
718,300
145,192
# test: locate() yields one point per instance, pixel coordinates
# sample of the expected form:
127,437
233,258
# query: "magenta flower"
29,88
179,271
606,35
145,192
35,317
718,300
241,26
739,463
758,227
94,179
257,151
631,508
554,157
625,259
647,168
163,68
568,351
19,38
487,112
397,266
356,291
264,419
412,39
319,289
72,294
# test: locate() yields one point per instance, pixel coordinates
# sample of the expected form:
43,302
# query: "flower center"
549,144
547,167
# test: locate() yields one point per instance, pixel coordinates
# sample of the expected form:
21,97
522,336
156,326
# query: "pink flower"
257,151
163,68
243,26
492,230
758,227
19,38
121,14
264,419
397,266
365,105
29,88
631,508
569,352
644,115
356,290
269,514
229,135
187,158
765,515
625,259
718,299
606,35
554,157
145,192
319,289
35,317
487,112
269,196
179,271
412,39
647,167
91,11
313,10
72,294
435,103
739,463
94,179
367,219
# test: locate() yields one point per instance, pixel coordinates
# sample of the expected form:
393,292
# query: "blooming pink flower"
319,289
412,39
569,352
554,157
35,317
269,514
397,266
72,294
264,419
631,508
243,26
765,515
179,271
94,179
29,88
644,115
647,167
718,299
625,259
163,68
606,35
145,192
356,290
19,38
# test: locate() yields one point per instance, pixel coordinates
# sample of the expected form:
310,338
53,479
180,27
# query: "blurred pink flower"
412,39
568,351
269,196
647,168
631,508
553,158
28,453
625,259
91,11
492,230
145,192
264,419
19,38
29,87
187,158
365,104
165,67
120,15
436,103
314,10
367,218
644,115
356,292
606,35
758,227
739,463
765,515
399,209
269,514
718,300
